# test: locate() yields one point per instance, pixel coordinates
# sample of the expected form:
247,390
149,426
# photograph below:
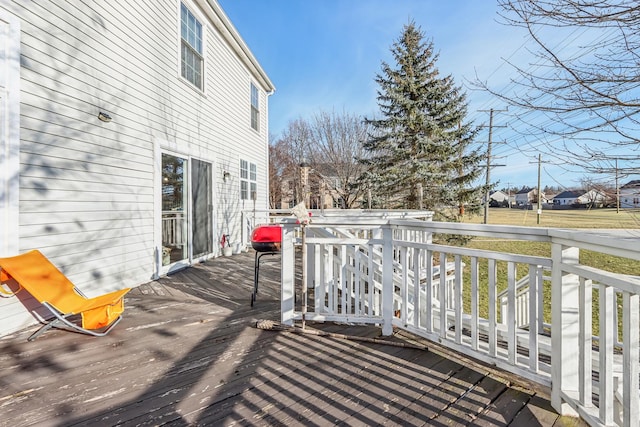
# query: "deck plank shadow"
187,353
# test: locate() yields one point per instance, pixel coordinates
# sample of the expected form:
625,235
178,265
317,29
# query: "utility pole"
488,174
539,190
617,190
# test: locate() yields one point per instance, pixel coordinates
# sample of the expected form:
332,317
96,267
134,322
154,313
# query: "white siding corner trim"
9,132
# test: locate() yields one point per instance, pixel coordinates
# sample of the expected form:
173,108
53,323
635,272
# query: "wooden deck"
188,353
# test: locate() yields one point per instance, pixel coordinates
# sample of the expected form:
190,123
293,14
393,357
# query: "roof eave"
221,22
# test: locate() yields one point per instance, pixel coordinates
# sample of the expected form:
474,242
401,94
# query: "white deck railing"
173,228
387,272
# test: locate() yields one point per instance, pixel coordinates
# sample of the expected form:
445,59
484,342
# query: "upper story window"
190,47
255,107
248,180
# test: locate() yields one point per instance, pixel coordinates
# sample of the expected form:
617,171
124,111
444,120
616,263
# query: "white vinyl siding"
88,188
13,315
9,131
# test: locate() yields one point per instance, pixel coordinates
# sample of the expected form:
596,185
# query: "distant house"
579,198
327,187
498,198
526,196
630,195
132,137
566,198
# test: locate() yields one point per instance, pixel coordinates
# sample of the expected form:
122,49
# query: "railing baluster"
631,360
585,344
511,312
605,353
357,281
318,285
458,296
325,277
404,284
333,293
474,303
429,292
370,282
344,285
540,297
417,294
492,272
444,303
535,286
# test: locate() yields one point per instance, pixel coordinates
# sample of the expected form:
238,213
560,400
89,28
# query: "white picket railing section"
522,302
388,272
173,228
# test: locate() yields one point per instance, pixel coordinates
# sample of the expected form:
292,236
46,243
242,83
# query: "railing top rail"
479,230
348,213
624,242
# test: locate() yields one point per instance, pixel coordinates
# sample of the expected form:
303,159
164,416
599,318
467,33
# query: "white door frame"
163,147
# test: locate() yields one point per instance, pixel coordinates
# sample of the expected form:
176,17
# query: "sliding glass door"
201,200
174,209
187,210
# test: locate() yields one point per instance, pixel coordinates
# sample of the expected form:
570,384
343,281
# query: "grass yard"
570,218
574,218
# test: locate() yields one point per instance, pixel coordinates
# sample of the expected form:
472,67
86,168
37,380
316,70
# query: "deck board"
187,352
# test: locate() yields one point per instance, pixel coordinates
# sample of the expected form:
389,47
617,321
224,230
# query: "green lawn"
578,218
571,218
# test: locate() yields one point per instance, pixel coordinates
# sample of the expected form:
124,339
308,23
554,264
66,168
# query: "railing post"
565,328
387,280
287,273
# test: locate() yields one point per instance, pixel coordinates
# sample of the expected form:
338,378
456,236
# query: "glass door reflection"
174,209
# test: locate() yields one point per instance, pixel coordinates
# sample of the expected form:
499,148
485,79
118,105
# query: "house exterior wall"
498,196
89,190
630,199
9,131
630,195
565,201
524,198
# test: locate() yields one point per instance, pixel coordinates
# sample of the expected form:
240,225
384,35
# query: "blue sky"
323,55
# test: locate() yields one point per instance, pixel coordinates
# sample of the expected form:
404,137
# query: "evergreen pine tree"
419,154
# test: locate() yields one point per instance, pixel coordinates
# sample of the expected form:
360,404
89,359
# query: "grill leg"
256,274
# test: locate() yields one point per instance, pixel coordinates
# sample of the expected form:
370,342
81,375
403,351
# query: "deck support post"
565,328
387,280
288,254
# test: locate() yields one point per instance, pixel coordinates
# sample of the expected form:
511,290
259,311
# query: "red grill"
265,240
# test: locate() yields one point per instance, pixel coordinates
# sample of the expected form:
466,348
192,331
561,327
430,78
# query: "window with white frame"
190,47
248,180
255,107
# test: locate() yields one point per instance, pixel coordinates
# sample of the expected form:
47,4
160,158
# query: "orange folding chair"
33,272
